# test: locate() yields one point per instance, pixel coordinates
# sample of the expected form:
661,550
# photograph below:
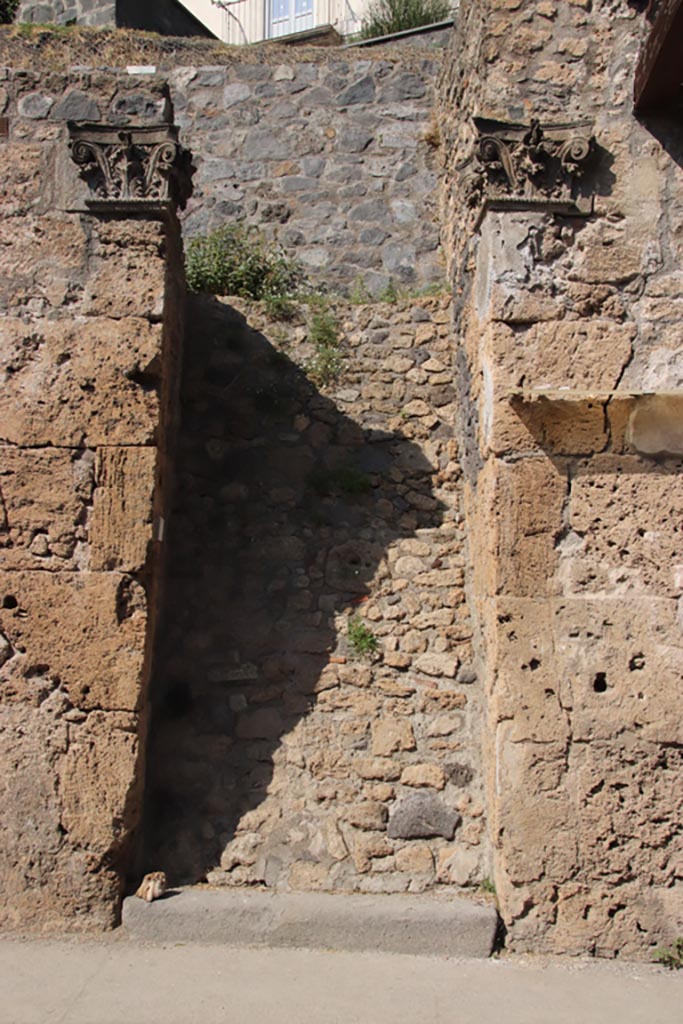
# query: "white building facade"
251,21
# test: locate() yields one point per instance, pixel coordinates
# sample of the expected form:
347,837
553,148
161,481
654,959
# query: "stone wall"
278,754
95,13
569,371
91,324
528,656
282,754
165,16
332,152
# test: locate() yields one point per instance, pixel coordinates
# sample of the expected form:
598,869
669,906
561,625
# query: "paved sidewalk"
116,981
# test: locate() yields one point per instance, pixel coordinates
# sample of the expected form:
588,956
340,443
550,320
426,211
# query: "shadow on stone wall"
284,510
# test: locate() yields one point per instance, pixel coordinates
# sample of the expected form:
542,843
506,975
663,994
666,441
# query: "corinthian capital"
132,169
532,166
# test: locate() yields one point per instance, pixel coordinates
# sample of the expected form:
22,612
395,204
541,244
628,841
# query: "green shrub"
8,8
280,307
326,363
323,328
235,260
385,17
362,640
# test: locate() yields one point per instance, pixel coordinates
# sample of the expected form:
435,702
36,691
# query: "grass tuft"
384,17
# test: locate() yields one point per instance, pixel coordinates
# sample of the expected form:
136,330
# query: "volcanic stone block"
122,521
45,879
41,523
638,551
128,272
521,511
78,382
21,180
83,633
41,257
655,425
95,779
422,815
561,354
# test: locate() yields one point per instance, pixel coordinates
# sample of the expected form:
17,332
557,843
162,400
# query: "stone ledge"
417,925
397,37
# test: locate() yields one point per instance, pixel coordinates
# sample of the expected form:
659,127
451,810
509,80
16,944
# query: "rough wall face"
299,764
281,753
574,483
334,156
82,302
95,13
165,16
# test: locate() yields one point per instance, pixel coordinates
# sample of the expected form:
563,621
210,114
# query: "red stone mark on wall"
658,73
4,128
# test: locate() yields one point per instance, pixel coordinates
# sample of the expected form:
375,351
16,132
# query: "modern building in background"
251,21
236,21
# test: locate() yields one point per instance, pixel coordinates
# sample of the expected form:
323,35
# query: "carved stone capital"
132,169
535,166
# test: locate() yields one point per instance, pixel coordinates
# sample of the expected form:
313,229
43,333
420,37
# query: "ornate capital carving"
132,169
525,167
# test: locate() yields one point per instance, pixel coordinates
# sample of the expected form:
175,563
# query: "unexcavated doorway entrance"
314,626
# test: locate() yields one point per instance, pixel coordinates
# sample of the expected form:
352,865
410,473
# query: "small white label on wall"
141,69
161,526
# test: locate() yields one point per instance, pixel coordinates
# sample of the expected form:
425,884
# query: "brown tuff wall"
91,323
569,369
277,757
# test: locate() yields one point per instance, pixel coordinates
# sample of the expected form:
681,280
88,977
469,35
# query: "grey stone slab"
35,106
354,140
405,86
422,815
77,106
424,925
362,91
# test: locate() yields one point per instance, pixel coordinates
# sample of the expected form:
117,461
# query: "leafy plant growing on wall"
234,260
385,17
326,363
362,641
8,8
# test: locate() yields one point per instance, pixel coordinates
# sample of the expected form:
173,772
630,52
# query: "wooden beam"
659,72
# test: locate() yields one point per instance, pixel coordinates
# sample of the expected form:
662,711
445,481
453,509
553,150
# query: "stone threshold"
419,925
